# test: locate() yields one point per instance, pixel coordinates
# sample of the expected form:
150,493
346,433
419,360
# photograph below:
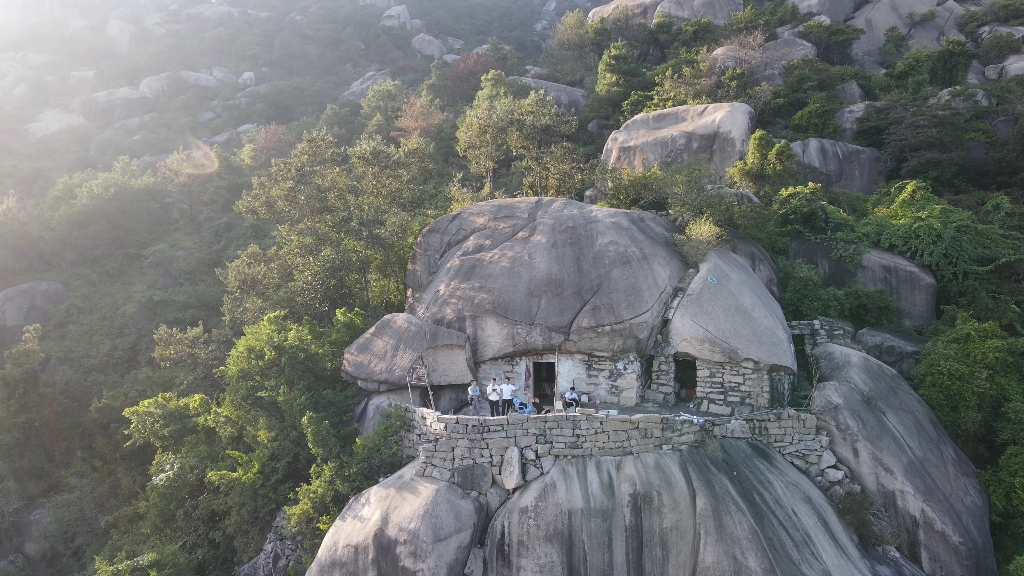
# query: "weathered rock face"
765,63
719,132
851,92
406,525
105,108
719,11
727,315
848,119
429,46
641,10
960,99
358,90
757,259
835,10
680,513
846,166
896,449
913,289
53,122
27,304
878,16
280,551
566,97
897,351
396,17
380,359
540,274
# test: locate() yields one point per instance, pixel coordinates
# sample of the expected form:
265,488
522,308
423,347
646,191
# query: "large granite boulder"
757,259
429,46
641,10
901,352
105,108
54,122
396,17
27,304
765,63
381,358
835,10
878,16
542,274
741,510
846,166
406,525
718,11
896,449
727,315
719,132
566,97
358,90
913,288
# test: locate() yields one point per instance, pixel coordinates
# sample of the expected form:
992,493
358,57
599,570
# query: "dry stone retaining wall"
822,331
459,448
663,381
727,389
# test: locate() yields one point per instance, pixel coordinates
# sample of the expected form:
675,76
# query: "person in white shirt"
507,391
494,397
571,398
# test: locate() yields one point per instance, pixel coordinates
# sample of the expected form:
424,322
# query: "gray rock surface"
757,259
1013,66
105,108
896,449
835,10
727,315
369,411
878,16
54,122
406,525
280,551
719,11
848,118
851,92
358,90
512,469
381,358
719,132
27,304
566,97
475,477
897,351
532,274
429,46
641,10
960,98
396,17
913,288
976,73
846,166
684,513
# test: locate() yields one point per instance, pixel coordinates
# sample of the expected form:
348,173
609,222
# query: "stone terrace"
452,448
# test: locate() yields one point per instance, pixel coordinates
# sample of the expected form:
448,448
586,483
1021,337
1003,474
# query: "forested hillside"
222,241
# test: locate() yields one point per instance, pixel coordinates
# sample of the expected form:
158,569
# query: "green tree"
569,53
832,40
767,166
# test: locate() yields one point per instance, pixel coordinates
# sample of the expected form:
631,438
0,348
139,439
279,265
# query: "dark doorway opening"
686,379
544,381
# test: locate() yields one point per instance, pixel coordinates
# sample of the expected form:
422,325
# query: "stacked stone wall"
612,380
448,446
822,331
726,389
663,381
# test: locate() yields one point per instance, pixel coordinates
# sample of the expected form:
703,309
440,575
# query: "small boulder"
832,475
848,118
429,46
358,90
27,304
396,17
851,92
976,73
959,97
1013,66
53,122
110,106
846,166
898,351
566,97
993,72
719,132
512,469
827,459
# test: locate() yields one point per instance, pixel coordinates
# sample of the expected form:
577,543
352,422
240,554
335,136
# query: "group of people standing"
502,400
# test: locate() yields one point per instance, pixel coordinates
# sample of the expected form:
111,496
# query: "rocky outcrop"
727,315
851,92
429,46
834,10
540,274
27,304
896,449
54,122
358,90
279,553
641,10
848,119
913,288
566,97
681,513
718,11
757,259
845,166
122,35
381,358
406,525
878,16
105,108
719,132
396,17
765,63
961,98
897,351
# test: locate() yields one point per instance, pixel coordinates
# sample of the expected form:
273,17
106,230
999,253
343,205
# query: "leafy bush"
701,236
765,19
803,295
997,47
894,46
832,40
767,167
818,118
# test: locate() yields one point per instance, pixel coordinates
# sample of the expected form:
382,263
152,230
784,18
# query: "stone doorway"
686,379
544,381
